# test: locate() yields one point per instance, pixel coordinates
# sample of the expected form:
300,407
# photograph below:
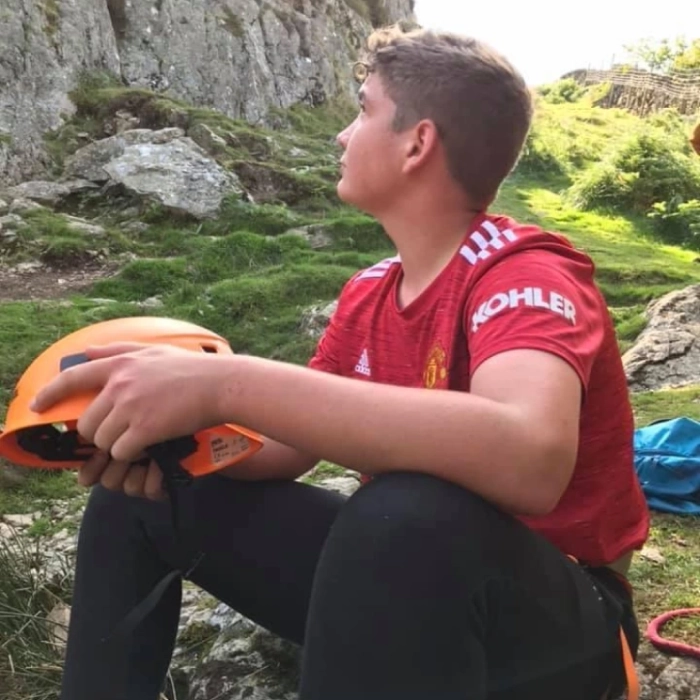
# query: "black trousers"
411,589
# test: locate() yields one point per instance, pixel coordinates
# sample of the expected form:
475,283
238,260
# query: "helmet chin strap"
168,455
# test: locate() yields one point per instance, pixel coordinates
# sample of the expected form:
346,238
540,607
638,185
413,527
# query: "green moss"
52,16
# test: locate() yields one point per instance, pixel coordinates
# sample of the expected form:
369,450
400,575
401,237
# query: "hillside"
254,270
238,56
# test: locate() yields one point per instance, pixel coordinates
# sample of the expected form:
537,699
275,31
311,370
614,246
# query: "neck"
426,238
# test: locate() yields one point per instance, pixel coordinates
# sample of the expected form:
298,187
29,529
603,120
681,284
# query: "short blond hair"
479,102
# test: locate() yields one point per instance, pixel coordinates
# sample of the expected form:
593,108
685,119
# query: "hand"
147,394
131,478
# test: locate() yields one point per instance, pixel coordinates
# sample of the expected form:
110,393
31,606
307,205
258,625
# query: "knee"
102,501
103,507
106,509
402,502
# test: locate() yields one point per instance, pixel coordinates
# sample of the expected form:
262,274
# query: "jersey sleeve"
327,355
537,301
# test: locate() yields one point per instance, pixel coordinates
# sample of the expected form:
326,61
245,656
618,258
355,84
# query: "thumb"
96,352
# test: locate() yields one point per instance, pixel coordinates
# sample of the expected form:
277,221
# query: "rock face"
240,57
164,167
315,319
45,46
667,352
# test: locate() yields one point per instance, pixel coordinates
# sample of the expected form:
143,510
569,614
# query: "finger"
125,447
113,476
135,480
90,472
95,352
74,380
153,488
93,417
109,433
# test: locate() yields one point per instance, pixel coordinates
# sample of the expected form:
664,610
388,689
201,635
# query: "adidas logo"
362,366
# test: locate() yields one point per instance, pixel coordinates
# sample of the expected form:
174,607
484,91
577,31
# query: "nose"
343,137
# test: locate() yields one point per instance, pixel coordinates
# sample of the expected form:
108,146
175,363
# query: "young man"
473,380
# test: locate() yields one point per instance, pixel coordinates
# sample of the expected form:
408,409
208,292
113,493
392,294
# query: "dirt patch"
34,281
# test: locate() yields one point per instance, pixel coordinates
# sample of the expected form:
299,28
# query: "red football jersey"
508,286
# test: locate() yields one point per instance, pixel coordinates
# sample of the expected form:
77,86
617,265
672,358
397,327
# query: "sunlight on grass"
631,266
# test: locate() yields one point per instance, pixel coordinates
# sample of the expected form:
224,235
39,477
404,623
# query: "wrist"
227,388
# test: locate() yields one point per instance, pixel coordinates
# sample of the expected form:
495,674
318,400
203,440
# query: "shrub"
566,90
541,154
643,170
677,222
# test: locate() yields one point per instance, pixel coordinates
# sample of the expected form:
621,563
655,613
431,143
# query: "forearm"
482,445
273,461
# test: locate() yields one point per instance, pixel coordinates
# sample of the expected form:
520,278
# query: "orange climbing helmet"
50,440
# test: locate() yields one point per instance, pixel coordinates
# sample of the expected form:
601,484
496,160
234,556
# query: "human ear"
421,142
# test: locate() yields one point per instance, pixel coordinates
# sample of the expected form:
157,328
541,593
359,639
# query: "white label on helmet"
225,449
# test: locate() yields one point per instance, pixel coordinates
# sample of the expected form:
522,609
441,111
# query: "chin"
345,192
346,195
342,188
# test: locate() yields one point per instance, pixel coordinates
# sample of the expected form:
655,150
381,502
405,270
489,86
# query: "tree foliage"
666,55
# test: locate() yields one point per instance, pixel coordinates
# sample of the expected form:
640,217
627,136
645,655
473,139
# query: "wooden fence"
643,92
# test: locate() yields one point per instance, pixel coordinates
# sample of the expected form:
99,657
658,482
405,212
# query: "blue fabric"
667,462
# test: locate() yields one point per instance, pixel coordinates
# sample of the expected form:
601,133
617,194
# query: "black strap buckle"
54,445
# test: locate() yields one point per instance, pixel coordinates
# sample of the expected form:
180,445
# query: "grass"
27,328
629,260
673,583
249,275
36,490
30,668
656,405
